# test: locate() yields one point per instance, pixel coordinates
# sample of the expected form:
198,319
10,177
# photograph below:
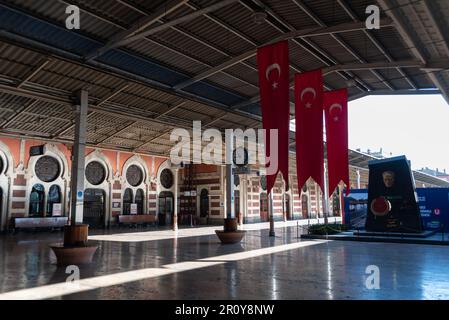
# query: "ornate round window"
134,175
263,182
47,169
166,178
95,173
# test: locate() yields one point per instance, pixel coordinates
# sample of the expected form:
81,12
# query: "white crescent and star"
336,106
306,90
270,68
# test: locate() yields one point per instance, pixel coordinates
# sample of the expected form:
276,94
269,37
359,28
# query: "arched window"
140,201
204,203
94,208
54,196
127,200
237,203
37,198
165,208
263,207
305,206
287,207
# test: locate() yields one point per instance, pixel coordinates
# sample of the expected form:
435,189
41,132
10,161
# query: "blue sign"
433,204
80,195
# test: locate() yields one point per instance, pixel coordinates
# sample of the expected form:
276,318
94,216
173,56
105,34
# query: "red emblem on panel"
380,206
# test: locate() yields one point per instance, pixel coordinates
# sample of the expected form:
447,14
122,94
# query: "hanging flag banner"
336,114
309,127
273,65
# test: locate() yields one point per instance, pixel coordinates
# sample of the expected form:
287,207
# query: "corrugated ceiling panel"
218,36
292,14
232,83
189,46
328,11
241,18
167,56
333,49
390,39
362,45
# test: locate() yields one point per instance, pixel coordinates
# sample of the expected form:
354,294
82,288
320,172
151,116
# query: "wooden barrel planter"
75,250
230,234
76,235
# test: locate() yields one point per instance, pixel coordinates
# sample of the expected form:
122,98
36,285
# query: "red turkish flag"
336,111
273,64
309,127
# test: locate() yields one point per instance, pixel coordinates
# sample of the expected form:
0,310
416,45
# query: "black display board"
392,205
37,150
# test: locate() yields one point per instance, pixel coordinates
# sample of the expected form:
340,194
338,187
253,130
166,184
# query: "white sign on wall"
57,209
133,208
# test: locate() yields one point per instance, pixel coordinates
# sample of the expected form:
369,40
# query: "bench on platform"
40,222
136,219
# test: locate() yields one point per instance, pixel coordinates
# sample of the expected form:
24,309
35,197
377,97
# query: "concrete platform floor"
194,265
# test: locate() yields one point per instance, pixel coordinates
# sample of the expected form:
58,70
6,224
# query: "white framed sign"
133,208
57,209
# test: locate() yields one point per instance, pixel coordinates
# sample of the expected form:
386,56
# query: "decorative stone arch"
6,176
145,183
63,179
106,185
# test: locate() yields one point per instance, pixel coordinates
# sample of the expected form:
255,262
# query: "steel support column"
78,158
230,212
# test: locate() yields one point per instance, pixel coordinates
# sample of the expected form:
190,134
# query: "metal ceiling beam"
340,40
70,142
320,54
345,27
412,43
393,93
18,113
234,31
68,101
102,101
34,71
123,129
94,109
177,21
159,135
376,42
375,65
163,10
177,29
224,25
30,44
171,109
429,7
114,93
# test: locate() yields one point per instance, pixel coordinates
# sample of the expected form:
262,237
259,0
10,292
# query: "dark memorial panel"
47,169
95,173
392,204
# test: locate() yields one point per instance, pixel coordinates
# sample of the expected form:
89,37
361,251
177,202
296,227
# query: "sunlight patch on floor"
65,288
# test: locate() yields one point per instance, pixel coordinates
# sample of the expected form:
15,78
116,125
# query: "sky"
416,126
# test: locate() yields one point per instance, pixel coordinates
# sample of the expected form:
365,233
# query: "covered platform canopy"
151,66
